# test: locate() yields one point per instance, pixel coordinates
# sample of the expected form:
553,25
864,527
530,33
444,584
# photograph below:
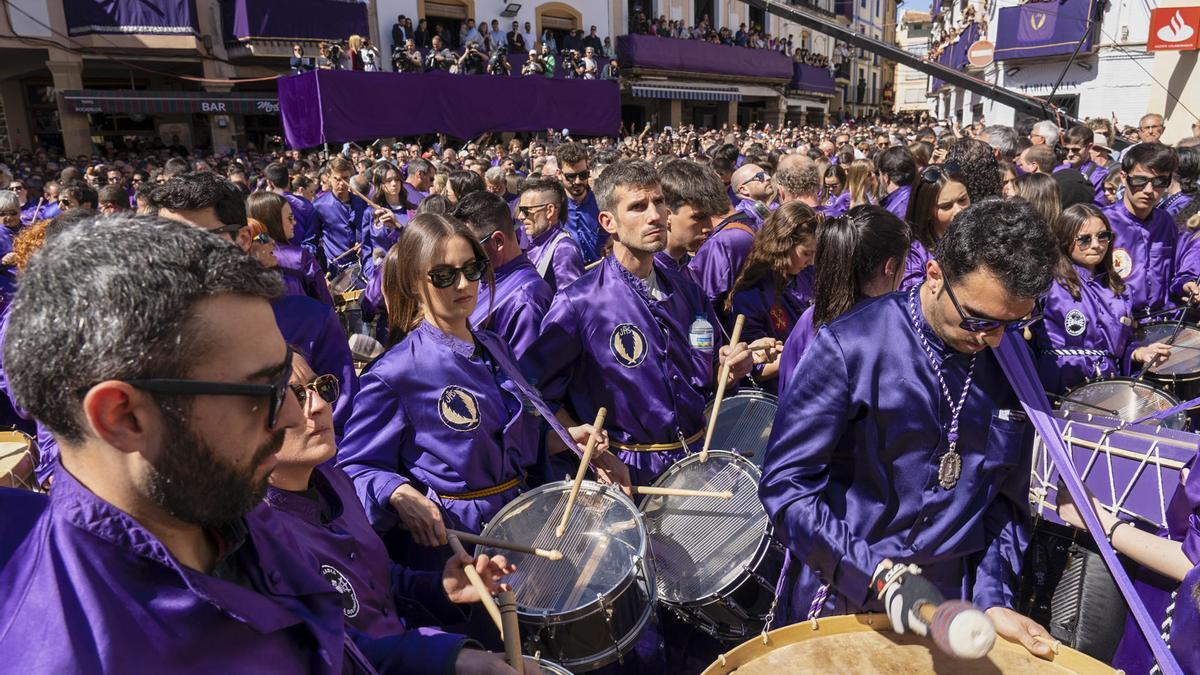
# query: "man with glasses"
897,171
31,209
553,252
514,305
1144,250
77,195
583,216
755,190
1078,144
900,440
341,221
1150,128
279,182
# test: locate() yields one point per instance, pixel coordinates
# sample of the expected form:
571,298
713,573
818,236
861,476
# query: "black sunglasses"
1103,237
582,176
973,324
524,211
1139,182
325,386
276,392
936,172
446,276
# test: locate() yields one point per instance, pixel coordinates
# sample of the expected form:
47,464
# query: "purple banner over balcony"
294,19
811,78
126,17
694,56
1045,29
332,106
955,55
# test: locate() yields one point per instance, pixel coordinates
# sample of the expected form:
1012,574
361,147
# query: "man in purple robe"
1146,237
619,336
799,180
914,449
419,180
513,305
1078,144
540,209
694,195
719,260
755,190
897,171
169,422
582,211
343,220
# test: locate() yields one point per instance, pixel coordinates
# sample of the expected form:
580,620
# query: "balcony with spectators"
271,27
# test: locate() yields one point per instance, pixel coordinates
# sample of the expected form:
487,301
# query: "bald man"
753,187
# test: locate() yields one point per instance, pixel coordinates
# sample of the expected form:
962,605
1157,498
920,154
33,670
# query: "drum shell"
1186,386
1177,421
18,461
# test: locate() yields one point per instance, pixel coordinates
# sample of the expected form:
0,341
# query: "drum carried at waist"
1180,373
18,459
744,423
1125,399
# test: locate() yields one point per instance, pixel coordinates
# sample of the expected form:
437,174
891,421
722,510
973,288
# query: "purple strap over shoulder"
1018,366
535,397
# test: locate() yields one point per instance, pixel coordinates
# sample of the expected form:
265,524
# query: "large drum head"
744,425
1184,361
604,537
346,279
701,544
1125,399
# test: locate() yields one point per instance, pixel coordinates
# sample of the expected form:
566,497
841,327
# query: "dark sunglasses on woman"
445,276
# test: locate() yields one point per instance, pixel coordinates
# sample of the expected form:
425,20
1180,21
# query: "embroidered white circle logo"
1075,323
1122,263
459,409
628,345
343,586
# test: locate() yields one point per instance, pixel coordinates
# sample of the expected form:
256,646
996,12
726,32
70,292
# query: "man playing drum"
900,440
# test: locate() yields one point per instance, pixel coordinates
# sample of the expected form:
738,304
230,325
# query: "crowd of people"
175,336
751,37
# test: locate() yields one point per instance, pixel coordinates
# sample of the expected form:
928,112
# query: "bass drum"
1125,399
1180,373
744,425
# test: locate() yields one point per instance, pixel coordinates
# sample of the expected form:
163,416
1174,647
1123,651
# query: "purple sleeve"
315,285
914,267
998,567
525,323
370,451
793,348
549,362
1187,263
567,263
425,651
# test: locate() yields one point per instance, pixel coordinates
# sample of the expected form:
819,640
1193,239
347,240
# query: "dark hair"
570,153
277,175
558,195
135,282
850,251
1041,191
787,227
202,190
113,194
82,193
923,204
922,152
625,173
898,165
839,172
267,208
979,168
1157,157
1066,228
464,183
687,183
485,213
1187,170
1006,237
339,163
1080,134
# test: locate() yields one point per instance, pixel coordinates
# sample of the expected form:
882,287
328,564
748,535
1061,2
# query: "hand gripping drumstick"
489,603
712,418
680,492
512,633
914,604
469,538
597,427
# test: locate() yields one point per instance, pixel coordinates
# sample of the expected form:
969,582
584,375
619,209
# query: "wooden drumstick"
1054,644
597,427
712,418
364,198
469,538
512,633
489,603
679,492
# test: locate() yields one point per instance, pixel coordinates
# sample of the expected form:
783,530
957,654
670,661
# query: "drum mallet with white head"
958,628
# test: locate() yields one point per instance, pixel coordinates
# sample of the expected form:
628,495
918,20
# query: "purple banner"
295,19
955,55
146,17
811,78
1037,29
694,56
328,106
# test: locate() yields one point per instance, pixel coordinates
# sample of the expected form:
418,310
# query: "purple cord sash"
1018,366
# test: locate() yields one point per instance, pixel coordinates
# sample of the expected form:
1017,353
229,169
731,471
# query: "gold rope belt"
486,492
658,447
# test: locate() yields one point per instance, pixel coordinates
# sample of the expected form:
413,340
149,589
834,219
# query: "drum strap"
1077,352
543,265
535,397
658,447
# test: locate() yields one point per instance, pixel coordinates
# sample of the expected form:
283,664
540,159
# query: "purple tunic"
339,226
415,196
771,316
436,413
382,238
836,206
34,210
749,208
794,347
301,274
313,328
1149,253
605,342
83,575
1095,175
1185,626
719,260
565,264
850,476
305,232
897,202
914,265
583,222
520,301
1187,263
1077,340
664,260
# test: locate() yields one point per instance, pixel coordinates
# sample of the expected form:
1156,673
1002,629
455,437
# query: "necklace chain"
955,408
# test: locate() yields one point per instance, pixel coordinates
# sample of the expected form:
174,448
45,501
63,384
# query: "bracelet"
1113,528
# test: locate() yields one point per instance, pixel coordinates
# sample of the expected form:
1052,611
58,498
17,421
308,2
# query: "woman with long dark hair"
859,256
939,194
1086,329
301,274
835,192
388,181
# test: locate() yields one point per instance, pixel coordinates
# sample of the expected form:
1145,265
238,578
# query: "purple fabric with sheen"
655,53
328,106
1045,29
124,17
955,55
811,78
1091,322
295,19
566,262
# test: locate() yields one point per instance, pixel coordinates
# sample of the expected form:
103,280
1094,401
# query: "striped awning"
156,102
686,92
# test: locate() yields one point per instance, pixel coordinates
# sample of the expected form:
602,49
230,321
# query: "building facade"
912,85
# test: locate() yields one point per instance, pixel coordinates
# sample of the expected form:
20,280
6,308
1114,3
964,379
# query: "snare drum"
588,609
18,459
1129,399
1180,373
744,424
864,644
715,561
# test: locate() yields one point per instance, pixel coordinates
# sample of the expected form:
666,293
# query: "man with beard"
150,554
582,212
553,252
619,336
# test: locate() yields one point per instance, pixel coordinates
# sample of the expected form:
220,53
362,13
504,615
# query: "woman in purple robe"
388,182
939,194
301,274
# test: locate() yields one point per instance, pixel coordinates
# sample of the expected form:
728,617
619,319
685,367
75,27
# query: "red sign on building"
1174,28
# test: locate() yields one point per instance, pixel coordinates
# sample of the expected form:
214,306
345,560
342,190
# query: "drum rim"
622,646
1175,400
746,392
1168,377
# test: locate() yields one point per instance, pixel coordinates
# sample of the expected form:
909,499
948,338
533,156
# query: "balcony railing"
693,56
290,20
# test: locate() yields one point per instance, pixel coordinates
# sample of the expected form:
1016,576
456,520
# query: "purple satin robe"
1077,340
1187,263
566,261
794,347
851,472
34,210
749,208
604,342
517,306
837,206
914,265
771,316
382,238
313,328
1148,248
339,226
897,202
664,260
719,260
583,222
301,274
305,232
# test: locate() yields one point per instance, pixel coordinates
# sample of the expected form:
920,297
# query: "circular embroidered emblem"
1075,323
458,408
343,586
628,345
1122,263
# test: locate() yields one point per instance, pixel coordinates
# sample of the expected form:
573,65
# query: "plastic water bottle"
700,334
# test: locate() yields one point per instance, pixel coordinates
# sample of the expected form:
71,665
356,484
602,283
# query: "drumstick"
1054,644
364,198
512,633
1170,340
712,418
489,603
679,492
597,427
554,554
